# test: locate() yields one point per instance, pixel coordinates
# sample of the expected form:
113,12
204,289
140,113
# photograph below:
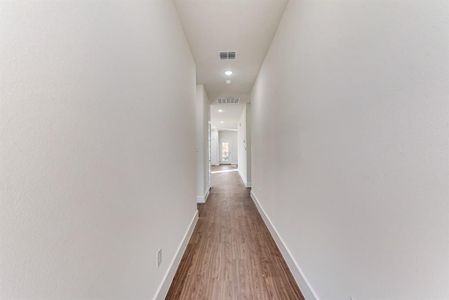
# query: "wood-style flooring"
231,254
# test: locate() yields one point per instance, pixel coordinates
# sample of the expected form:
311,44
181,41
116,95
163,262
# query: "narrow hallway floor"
231,254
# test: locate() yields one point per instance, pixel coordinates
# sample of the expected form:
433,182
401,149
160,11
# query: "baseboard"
203,199
162,291
245,183
298,274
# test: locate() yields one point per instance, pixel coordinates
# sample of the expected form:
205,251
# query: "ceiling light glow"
228,81
221,122
228,73
220,110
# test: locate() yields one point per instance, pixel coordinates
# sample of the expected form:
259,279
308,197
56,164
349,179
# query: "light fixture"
228,73
228,81
220,110
221,122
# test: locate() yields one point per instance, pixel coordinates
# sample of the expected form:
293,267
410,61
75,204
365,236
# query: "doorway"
228,147
225,152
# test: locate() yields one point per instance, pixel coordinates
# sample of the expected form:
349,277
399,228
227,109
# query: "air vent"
228,100
227,55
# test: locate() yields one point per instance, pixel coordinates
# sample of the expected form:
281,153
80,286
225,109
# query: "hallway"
231,254
332,115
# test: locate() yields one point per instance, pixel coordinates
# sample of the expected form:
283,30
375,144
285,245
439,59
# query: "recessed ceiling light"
221,122
220,110
228,73
228,81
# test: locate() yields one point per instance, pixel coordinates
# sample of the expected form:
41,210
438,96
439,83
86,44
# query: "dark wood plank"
231,254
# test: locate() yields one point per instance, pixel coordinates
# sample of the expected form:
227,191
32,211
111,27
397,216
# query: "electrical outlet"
159,257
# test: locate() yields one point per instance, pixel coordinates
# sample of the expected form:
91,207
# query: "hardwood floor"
231,254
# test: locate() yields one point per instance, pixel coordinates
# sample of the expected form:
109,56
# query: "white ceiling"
244,26
230,115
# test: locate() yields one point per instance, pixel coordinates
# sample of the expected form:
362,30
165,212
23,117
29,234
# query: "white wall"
202,143
350,145
244,146
97,149
248,145
229,136
214,148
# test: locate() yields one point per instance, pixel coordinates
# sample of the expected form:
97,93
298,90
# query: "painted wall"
244,146
231,138
214,148
350,145
96,147
248,145
202,142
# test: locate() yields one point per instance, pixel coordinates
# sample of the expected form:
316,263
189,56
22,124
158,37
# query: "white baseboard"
245,183
162,291
203,199
243,178
300,278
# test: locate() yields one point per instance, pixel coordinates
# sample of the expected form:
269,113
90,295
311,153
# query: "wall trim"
245,182
203,199
304,285
163,288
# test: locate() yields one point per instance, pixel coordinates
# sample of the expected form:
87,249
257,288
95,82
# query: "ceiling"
229,115
244,26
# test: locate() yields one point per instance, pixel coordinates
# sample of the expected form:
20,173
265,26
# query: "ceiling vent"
227,55
228,100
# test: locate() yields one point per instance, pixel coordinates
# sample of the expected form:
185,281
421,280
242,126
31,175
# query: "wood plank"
231,254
